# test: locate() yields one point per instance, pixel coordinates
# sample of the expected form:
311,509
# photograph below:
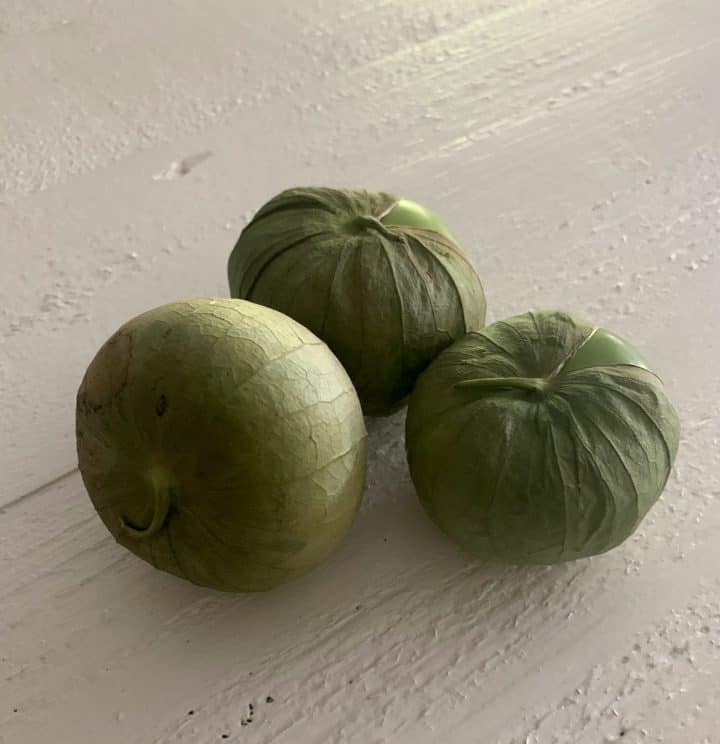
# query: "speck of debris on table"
225,736
357,607
269,699
191,712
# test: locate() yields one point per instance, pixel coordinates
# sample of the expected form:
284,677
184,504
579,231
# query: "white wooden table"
575,147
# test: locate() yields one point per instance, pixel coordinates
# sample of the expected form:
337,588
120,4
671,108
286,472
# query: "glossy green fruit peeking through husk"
222,442
380,279
539,440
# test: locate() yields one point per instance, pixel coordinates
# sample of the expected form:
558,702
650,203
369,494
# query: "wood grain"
572,145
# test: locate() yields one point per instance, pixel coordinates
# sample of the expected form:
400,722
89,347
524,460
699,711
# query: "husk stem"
372,223
531,384
162,502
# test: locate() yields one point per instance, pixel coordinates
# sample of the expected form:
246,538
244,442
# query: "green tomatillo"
223,442
380,279
540,439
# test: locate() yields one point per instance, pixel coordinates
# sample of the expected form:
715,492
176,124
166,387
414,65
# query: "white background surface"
574,145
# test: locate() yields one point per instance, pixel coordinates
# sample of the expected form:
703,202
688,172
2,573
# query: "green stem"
372,223
534,384
163,494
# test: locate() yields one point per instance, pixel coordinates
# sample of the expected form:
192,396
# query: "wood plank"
572,145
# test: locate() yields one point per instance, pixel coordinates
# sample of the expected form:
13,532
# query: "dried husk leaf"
540,439
222,442
386,298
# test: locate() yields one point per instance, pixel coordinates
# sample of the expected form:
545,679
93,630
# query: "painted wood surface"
574,147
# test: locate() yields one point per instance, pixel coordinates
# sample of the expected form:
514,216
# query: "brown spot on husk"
107,374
